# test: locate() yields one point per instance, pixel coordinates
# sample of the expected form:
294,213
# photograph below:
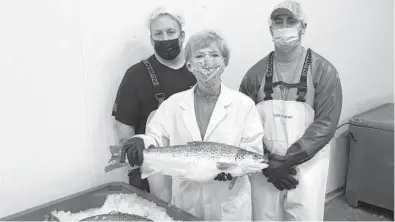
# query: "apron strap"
288,85
302,88
158,91
268,88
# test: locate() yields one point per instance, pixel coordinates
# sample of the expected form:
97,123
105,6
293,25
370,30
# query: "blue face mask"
286,38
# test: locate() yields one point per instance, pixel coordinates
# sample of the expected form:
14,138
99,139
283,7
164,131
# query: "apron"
284,123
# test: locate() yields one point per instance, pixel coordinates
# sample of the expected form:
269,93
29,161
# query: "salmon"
195,161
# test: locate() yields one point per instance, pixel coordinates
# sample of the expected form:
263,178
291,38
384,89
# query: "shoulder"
238,98
259,67
186,75
321,67
138,70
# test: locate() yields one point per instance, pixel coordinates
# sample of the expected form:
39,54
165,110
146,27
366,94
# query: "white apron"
284,123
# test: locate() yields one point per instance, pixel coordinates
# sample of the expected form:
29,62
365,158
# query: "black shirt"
135,98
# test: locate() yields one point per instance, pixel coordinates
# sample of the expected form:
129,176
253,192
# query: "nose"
165,36
206,57
285,25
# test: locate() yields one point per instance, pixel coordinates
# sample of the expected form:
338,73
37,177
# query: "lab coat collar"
188,100
219,112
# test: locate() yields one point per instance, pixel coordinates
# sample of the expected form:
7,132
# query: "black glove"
223,177
136,180
134,148
280,174
282,179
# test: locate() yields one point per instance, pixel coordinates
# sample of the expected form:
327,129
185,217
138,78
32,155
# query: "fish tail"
146,172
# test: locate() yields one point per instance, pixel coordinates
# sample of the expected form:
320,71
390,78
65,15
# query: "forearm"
123,132
327,117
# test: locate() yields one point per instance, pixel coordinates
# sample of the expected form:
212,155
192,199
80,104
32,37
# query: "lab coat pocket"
237,209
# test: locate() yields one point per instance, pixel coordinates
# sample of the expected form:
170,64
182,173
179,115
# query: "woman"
207,112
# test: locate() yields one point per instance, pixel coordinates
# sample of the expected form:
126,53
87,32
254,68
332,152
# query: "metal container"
94,198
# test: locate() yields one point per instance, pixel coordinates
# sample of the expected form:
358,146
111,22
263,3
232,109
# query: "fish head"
251,162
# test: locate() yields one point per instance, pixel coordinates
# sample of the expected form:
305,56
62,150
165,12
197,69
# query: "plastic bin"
370,176
94,198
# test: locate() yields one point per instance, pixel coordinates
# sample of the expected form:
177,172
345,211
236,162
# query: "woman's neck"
208,92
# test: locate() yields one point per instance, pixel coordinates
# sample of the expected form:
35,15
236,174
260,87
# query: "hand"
136,180
280,175
282,179
134,148
223,177
282,184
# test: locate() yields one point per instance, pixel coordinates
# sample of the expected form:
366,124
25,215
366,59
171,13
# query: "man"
149,82
299,97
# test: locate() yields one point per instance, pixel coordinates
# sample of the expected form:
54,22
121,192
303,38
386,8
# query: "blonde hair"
204,39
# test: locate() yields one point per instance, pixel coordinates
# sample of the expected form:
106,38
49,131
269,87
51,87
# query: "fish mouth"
264,161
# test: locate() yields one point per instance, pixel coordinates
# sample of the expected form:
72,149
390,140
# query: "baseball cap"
289,7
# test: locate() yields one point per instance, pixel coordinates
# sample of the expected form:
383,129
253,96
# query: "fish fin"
146,172
232,183
225,166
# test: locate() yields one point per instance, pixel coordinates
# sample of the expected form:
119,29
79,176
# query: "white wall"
62,61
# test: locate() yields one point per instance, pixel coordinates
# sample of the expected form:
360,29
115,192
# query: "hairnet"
290,7
166,11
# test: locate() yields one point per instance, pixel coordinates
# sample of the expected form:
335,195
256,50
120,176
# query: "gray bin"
370,176
94,198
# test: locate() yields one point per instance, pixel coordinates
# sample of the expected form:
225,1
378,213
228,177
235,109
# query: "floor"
338,210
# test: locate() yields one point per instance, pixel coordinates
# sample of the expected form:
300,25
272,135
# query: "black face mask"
168,49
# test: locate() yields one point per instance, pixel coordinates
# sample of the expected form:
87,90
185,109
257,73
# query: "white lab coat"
235,121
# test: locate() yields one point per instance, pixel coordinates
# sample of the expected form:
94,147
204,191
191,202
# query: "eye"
158,34
292,21
171,32
277,22
215,55
198,56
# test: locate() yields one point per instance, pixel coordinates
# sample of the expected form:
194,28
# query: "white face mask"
286,38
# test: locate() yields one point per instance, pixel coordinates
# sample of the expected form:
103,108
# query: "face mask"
168,49
286,38
208,73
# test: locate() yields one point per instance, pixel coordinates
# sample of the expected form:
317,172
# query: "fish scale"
209,150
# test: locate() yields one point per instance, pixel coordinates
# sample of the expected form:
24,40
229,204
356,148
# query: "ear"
152,41
303,29
271,30
226,61
182,38
188,65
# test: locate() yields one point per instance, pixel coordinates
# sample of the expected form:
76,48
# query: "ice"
125,203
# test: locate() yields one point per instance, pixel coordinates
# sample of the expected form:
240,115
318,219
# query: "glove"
134,148
223,177
282,179
136,180
281,170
